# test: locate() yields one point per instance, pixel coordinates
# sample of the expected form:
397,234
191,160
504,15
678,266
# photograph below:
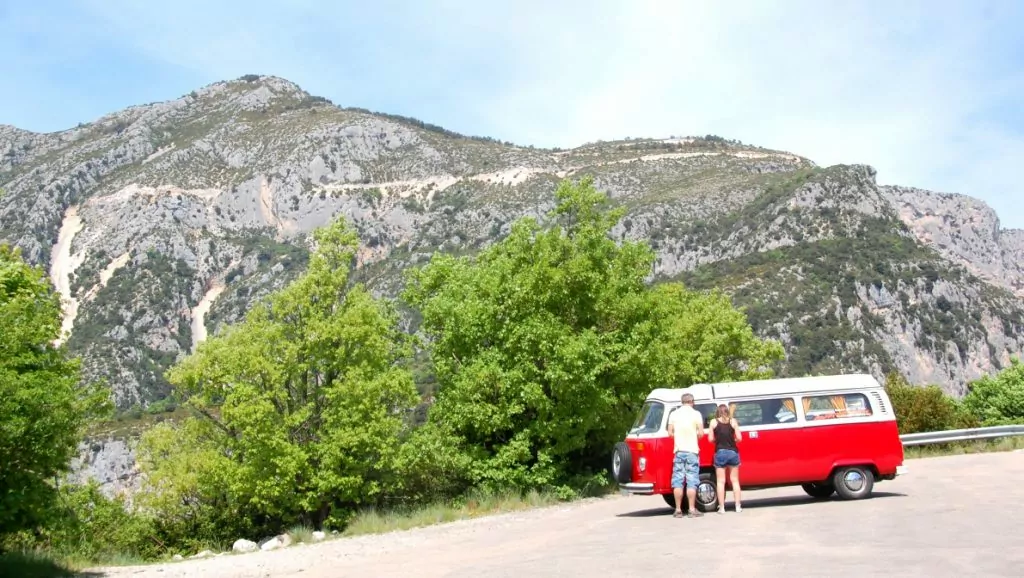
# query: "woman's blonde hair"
722,414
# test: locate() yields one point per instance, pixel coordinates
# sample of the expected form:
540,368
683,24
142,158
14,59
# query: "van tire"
670,498
853,482
622,463
819,490
707,478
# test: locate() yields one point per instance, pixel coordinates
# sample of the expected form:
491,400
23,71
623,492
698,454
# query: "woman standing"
724,432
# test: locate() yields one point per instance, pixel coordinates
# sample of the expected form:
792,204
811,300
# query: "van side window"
764,411
707,411
836,406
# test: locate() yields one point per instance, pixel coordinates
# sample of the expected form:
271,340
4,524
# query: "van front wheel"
707,496
707,493
853,482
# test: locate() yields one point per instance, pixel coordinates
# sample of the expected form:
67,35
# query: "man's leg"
678,479
692,466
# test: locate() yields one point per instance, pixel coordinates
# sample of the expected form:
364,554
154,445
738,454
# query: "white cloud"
907,87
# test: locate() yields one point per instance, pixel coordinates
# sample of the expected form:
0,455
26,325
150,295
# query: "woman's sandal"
694,514
677,515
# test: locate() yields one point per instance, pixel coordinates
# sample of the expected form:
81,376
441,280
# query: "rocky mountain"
162,222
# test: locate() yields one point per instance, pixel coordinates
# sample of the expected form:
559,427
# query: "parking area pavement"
949,516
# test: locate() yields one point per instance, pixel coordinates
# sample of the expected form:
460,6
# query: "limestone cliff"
162,222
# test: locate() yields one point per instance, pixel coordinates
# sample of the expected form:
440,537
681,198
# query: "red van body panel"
814,453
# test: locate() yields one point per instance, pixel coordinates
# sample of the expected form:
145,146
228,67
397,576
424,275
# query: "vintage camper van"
829,435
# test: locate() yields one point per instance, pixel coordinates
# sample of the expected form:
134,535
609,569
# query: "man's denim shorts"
725,458
686,468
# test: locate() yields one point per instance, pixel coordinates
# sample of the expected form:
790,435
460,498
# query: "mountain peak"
273,83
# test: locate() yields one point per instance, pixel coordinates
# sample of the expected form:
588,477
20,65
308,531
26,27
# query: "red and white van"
831,434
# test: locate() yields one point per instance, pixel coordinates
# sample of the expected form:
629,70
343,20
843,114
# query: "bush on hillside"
83,524
998,399
924,409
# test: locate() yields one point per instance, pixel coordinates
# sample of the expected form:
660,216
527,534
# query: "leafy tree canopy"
303,404
547,342
42,409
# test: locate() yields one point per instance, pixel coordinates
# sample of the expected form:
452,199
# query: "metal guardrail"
959,435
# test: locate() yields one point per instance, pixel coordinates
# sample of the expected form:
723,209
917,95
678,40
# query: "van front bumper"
636,488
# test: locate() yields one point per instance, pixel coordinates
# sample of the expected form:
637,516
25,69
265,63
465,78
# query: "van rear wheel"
853,482
819,490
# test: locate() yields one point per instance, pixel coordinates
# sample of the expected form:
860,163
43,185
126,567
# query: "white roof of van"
794,385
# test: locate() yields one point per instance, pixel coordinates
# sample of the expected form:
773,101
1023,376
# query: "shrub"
998,399
86,525
924,409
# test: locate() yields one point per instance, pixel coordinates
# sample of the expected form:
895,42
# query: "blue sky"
929,93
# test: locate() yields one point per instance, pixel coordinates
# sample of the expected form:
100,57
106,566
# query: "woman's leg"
720,483
734,479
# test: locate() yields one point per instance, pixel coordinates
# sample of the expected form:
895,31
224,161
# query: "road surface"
949,516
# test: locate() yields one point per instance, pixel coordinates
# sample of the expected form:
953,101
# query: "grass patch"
474,505
33,565
301,534
1007,444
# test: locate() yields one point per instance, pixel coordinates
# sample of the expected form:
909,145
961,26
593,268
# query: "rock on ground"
276,542
243,545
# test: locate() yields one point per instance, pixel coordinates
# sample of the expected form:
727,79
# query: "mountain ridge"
163,221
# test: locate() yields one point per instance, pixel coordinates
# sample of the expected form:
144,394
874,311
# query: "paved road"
950,516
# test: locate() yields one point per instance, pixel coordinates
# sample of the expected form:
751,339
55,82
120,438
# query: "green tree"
42,409
700,337
998,399
924,408
547,342
303,403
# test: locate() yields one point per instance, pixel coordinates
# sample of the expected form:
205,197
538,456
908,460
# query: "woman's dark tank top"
725,437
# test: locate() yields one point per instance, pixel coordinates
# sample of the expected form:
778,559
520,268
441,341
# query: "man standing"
686,426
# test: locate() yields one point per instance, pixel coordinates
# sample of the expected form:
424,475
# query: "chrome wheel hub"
616,463
706,493
854,481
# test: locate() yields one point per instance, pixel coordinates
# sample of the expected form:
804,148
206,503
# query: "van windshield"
649,420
